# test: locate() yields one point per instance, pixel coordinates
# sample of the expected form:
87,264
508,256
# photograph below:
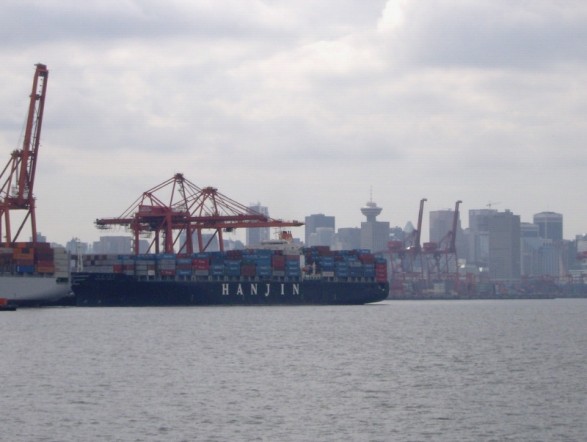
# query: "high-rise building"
312,223
75,246
504,246
551,254
347,238
479,219
209,242
374,234
113,244
529,230
323,236
478,236
581,241
440,224
256,235
530,244
397,233
550,225
40,237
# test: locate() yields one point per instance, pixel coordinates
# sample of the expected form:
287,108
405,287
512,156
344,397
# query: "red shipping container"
367,259
200,264
248,270
278,262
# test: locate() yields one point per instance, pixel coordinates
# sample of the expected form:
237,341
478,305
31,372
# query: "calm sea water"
393,371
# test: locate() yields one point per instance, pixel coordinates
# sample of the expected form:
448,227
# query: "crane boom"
32,137
419,228
189,210
18,177
455,221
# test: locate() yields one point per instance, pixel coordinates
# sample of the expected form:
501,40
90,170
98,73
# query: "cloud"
25,22
485,34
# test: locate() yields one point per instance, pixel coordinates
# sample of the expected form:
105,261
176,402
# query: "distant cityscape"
497,243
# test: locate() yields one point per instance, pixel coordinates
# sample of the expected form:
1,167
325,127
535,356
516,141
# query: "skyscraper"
550,225
312,223
256,235
530,244
347,238
504,246
113,244
479,236
440,226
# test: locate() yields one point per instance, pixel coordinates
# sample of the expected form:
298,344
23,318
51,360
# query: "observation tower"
371,211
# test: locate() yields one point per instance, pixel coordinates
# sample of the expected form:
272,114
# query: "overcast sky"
306,107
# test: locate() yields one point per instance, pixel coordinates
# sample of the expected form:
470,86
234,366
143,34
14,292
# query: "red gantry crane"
413,248
442,256
177,206
406,257
18,177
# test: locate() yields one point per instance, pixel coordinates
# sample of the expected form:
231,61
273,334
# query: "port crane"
413,248
442,256
420,265
177,210
405,256
18,176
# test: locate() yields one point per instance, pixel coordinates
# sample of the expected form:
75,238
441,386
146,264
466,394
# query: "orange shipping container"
26,252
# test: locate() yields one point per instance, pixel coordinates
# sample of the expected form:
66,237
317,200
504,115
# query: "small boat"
5,306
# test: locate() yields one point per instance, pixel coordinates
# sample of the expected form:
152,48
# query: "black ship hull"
118,290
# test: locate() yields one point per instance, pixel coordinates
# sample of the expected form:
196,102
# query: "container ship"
264,276
35,274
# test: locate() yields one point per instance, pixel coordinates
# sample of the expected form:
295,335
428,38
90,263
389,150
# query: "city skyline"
330,221
299,232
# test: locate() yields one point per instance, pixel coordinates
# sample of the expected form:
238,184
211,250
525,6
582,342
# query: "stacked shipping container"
28,259
236,264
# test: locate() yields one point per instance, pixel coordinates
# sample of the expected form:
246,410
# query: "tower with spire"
374,234
371,211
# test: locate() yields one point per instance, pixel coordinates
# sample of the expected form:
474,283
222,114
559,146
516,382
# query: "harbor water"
391,371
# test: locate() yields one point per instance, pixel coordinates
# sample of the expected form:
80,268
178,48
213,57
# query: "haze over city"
304,107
